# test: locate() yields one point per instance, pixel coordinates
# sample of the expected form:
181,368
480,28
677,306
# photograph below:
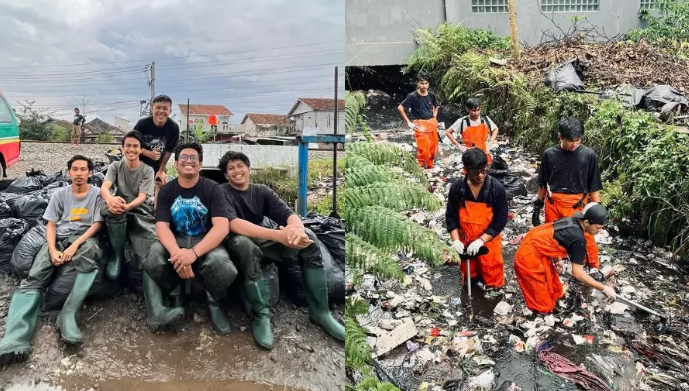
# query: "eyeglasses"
477,171
192,158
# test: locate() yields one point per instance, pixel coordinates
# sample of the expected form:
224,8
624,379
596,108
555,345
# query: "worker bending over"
475,217
423,120
533,265
477,131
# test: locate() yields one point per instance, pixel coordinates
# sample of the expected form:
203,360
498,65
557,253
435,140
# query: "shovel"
623,299
481,251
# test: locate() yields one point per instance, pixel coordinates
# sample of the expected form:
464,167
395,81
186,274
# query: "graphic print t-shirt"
162,139
189,211
73,215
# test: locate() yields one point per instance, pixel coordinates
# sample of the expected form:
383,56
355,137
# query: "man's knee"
246,255
311,256
217,270
156,258
88,256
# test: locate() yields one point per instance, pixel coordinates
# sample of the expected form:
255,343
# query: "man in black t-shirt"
423,120
191,223
76,126
249,243
161,135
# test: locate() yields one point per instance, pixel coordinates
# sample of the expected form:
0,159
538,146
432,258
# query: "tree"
34,123
105,138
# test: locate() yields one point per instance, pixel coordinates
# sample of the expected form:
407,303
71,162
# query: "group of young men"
477,207
191,226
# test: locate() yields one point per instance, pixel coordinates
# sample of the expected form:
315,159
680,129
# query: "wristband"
194,250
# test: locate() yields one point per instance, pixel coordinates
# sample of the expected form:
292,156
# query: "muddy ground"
120,353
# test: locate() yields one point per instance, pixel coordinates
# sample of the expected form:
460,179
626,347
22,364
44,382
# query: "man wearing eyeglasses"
191,224
475,217
568,179
476,130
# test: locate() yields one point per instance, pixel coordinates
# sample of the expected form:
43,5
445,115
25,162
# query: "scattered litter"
503,308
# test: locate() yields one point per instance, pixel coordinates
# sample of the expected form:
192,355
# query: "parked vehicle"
10,145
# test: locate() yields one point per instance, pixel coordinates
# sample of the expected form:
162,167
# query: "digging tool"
481,251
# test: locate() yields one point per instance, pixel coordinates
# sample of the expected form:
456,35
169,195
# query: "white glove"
411,125
458,246
475,246
610,293
492,146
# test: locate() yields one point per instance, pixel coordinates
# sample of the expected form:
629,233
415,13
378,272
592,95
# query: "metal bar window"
570,5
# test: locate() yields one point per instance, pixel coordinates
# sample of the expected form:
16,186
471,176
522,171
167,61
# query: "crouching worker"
476,215
128,212
536,274
249,243
191,223
74,219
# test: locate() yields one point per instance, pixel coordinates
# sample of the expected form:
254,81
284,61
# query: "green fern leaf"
365,256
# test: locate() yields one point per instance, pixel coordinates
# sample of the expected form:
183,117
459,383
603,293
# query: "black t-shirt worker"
161,135
422,119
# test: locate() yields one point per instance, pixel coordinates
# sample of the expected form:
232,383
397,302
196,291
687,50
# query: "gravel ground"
53,157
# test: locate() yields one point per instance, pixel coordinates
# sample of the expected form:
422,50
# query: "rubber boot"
316,289
221,323
21,324
158,314
176,295
118,236
257,294
67,319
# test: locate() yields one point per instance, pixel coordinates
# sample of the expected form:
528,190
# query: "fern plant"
354,102
388,155
396,196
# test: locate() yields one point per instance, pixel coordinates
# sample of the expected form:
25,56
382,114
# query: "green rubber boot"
118,236
67,319
21,324
257,293
316,289
221,323
158,314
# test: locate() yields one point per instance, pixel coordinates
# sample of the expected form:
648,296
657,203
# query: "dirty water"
131,384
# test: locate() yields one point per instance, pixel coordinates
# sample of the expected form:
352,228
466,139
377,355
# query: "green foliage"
357,351
59,133
388,155
370,383
671,25
34,125
354,102
325,205
367,257
367,174
105,138
397,196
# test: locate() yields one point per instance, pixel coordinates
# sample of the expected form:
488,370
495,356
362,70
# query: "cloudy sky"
251,56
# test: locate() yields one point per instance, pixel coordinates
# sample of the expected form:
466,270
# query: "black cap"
594,212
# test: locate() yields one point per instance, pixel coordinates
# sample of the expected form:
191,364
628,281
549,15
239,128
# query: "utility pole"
153,82
187,138
334,213
513,30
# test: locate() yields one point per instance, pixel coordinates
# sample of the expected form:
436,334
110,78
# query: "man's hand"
68,254
536,217
162,176
186,273
411,125
183,258
56,257
458,246
475,246
154,155
294,237
116,205
560,266
610,293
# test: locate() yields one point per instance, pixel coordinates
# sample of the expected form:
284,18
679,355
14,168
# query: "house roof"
265,119
319,104
98,126
205,109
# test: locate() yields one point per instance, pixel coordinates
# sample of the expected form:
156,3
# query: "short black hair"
134,134
74,158
230,156
76,108
193,145
571,128
473,103
161,98
474,158
422,75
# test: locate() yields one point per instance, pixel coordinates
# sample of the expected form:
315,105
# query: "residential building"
200,115
264,125
317,113
97,129
123,124
381,32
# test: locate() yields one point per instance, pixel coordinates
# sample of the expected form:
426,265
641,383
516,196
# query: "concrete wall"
261,156
380,32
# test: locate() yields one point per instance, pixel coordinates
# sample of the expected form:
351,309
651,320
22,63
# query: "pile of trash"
23,230
426,333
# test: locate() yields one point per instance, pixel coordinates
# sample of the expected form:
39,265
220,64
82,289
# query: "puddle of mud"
131,384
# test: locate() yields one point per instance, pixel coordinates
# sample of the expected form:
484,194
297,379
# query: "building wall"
381,32
206,127
250,128
321,119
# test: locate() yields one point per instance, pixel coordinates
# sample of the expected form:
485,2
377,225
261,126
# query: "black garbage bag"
291,280
567,76
49,190
11,232
334,241
29,206
132,270
514,186
58,176
27,249
498,168
97,179
63,281
656,97
35,173
331,232
25,185
335,275
5,210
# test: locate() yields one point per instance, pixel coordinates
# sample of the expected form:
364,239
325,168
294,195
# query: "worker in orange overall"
476,215
477,131
533,265
568,179
423,120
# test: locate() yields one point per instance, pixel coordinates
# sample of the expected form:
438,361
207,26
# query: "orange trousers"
426,135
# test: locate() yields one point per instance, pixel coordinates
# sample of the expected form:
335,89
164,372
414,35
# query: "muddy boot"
257,293
67,319
221,323
176,296
158,314
21,324
118,236
316,289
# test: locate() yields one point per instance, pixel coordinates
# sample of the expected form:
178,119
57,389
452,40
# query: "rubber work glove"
458,246
475,246
411,125
536,217
560,266
610,293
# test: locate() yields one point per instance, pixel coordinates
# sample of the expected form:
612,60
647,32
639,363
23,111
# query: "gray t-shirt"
73,215
131,182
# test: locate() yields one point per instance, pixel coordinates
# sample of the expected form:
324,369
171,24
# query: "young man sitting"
249,243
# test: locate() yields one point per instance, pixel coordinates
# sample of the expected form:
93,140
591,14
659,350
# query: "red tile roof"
319,104
266,119
205,109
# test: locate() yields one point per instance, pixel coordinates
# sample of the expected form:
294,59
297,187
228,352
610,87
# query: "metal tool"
623,299
481,251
